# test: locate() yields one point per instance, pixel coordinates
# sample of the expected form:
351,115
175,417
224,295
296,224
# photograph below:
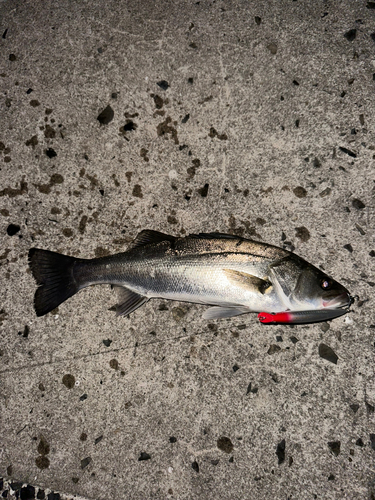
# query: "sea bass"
233,275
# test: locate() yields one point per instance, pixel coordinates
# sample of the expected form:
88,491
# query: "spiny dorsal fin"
246,280
148,236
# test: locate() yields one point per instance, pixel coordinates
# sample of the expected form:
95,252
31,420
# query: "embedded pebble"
328,353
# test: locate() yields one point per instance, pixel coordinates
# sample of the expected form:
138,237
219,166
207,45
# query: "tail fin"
53,273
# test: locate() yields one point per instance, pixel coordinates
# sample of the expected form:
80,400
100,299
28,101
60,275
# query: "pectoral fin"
248,281
217,312
128,301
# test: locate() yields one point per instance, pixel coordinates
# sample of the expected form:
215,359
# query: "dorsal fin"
206,236
148,236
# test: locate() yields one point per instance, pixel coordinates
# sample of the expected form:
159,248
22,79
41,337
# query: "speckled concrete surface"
255,118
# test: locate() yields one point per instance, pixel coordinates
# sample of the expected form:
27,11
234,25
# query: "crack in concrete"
98,353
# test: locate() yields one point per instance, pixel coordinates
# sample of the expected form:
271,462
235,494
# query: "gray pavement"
254,118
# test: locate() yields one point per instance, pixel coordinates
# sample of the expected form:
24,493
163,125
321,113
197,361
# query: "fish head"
319,290
307,288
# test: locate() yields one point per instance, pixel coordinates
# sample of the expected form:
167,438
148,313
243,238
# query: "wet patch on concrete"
129,126
101,252
3,316
272,47
5,150
165,128
49,132
67,232
273,349
302,234
68,380
225,444
143,154
13,192
33,141
213,133
113,364
42,461
204,190
82,224
47,188
300,192
137,191
158,101
191,171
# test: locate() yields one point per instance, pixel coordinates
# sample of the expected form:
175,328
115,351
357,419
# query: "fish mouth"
342,301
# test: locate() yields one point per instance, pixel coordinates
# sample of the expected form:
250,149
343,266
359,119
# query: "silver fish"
232,274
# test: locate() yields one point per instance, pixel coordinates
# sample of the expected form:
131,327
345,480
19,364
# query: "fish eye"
326,283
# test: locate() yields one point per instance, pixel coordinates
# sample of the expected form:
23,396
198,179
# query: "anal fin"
128,301
218,312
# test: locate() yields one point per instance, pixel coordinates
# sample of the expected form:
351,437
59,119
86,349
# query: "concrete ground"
254,118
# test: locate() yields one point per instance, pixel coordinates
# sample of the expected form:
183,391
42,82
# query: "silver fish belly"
232,274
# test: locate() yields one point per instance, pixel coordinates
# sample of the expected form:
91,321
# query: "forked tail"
53,273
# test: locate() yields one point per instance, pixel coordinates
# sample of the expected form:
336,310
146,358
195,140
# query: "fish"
231,274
